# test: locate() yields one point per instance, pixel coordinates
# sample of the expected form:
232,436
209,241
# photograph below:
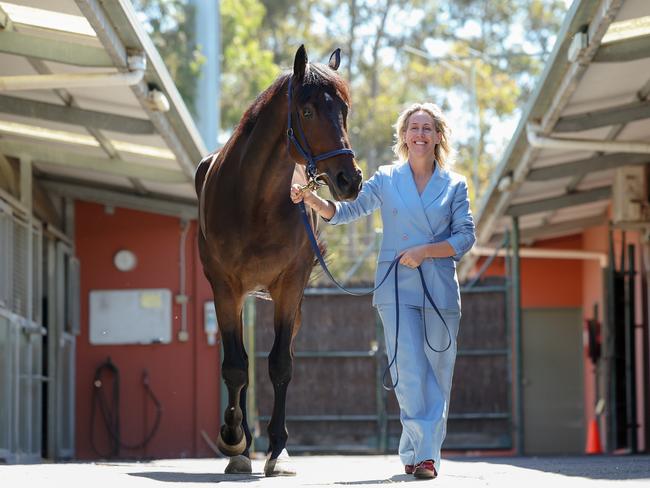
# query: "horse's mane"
317,77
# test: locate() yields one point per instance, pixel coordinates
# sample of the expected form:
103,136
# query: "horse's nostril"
343,181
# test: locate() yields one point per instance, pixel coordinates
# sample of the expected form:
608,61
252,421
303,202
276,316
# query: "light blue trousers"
424,377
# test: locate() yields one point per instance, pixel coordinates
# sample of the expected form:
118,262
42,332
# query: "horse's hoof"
280,466
231,450
239,465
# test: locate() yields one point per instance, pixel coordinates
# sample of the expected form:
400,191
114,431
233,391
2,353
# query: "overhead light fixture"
82,139
157,101
505,183
48,19
627,29
577,47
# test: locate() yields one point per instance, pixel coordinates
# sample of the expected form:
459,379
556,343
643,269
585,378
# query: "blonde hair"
442,150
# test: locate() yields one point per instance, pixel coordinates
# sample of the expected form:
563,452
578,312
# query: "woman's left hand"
414,256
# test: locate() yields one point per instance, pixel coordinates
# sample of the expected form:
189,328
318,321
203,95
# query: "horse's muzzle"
348,185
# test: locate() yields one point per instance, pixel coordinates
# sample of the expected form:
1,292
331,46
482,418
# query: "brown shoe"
409,469
425,470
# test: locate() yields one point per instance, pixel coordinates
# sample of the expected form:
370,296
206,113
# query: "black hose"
111,414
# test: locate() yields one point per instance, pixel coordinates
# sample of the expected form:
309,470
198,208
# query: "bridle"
313,178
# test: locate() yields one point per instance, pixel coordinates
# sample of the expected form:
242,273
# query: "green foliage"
247,68
490,51
170,24
504,42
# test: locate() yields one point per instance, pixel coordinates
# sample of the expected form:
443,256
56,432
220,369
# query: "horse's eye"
306,113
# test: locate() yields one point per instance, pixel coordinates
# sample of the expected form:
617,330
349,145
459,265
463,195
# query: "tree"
170,24
492,49
247,67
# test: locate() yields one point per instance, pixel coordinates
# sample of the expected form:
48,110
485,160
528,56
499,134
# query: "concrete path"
337,471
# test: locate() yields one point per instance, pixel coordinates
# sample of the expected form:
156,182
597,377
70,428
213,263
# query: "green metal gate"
21,336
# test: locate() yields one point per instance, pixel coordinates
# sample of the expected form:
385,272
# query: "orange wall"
183,375
548,283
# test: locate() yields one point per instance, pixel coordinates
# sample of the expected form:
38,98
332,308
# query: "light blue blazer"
441,213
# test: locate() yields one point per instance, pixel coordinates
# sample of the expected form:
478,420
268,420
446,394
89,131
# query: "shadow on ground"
592,467
176,477
398,478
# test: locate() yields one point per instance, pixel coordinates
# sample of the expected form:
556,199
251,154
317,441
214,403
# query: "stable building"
566,219
97,243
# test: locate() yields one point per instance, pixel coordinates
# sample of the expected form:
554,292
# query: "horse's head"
318,105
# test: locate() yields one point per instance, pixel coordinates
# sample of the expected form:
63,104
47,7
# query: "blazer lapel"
408,193
435,187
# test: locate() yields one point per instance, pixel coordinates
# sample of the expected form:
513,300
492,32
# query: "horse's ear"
335,59
300,63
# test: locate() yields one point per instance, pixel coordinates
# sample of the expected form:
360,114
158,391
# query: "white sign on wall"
131,316
210,324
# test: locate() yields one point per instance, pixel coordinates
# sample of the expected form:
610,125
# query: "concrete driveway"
599,471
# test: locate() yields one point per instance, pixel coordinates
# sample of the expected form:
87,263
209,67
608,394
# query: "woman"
427,222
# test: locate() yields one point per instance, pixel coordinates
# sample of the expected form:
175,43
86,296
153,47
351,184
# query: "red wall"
183,375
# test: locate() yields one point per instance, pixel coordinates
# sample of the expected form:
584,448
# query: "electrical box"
131,316
629,195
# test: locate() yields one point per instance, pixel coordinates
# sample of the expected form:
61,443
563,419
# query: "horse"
251,235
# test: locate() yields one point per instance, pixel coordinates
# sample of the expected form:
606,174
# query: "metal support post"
516,324
630,363
382,397
249,337
609,352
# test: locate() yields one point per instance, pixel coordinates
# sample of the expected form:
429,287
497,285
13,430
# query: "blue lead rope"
393,265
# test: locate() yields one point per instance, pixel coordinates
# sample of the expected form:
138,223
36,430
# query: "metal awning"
86,97
589,114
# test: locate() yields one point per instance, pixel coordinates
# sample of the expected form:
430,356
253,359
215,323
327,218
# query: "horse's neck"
265,164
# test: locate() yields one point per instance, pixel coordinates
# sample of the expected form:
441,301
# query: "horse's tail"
199,183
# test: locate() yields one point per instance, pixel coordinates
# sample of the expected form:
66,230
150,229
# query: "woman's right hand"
322,207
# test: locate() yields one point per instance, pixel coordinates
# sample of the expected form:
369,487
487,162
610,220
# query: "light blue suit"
440,213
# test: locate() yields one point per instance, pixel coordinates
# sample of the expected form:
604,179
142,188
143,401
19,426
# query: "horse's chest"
266,249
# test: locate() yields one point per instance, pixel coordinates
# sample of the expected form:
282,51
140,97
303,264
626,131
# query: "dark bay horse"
251,234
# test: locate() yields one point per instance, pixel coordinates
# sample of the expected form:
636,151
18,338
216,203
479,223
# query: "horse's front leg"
287,295
233,438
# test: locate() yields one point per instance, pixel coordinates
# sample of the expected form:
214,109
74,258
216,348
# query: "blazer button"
394,211
405,237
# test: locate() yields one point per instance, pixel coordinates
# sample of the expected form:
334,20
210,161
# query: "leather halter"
312,171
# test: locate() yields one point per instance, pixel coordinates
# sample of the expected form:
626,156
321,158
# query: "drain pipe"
538,252
545,142
182,298
136,63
